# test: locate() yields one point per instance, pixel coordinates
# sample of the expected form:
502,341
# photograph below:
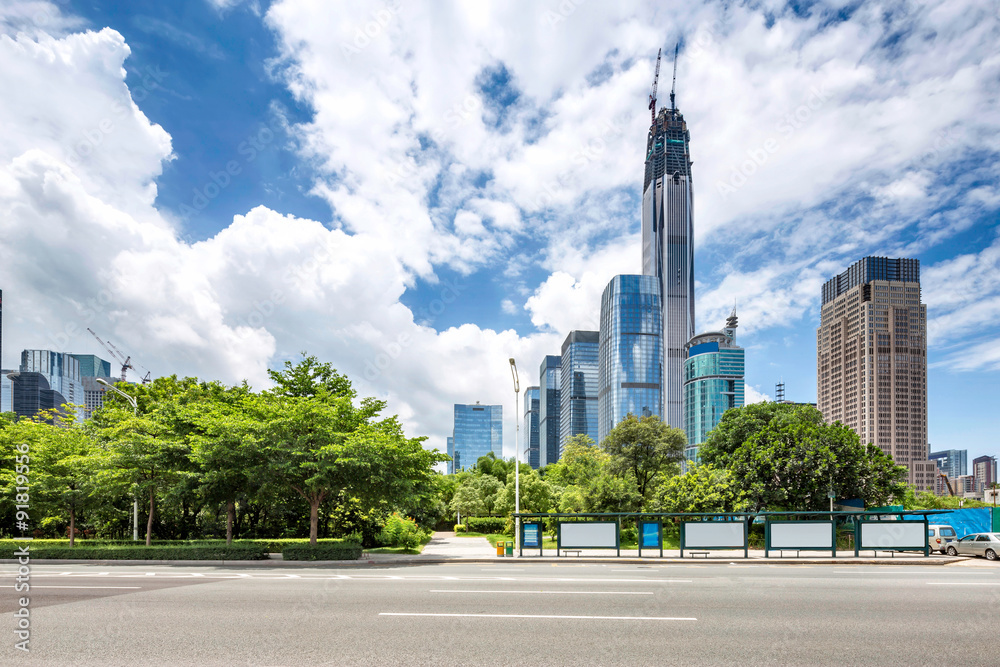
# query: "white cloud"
753,395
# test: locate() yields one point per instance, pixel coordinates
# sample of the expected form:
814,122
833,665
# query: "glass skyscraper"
549,405
451,453
952,462
631,352
61,374
478,431
529,450
667,246
713,383
578,386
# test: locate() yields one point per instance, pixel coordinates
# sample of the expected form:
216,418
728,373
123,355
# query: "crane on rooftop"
126,362
673,85
652,92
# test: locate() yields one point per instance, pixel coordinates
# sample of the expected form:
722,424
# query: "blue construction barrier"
964,521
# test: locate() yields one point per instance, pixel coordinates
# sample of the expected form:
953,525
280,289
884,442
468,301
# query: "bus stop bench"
699,553
571,551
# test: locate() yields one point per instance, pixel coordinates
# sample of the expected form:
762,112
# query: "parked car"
939,535
977,544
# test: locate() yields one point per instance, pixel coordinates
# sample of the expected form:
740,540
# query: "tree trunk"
72,527
230,513
313,519
149,522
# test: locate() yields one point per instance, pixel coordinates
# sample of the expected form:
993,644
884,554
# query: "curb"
548,560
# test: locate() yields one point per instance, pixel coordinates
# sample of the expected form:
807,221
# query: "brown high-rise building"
871,360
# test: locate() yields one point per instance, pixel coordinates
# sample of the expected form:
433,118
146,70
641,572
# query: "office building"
578,386
478,431
93,367
450,466
871,361
630,351
667,245
549,405
61,375
529,448
31,393
952,462
984,473
713,382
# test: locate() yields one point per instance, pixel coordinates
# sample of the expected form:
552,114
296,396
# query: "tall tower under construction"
667,241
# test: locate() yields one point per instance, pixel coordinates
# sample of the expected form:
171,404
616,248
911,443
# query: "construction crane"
947,481
121,355
673,84
116,353
652,92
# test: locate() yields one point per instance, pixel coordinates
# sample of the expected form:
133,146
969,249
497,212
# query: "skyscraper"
529,447
549,405
871,360
984,473
631,353
578,386
451,465
667,244
61,373
713,383
952,462
91,368
478,431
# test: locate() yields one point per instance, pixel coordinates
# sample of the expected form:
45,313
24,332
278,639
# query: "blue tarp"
964,521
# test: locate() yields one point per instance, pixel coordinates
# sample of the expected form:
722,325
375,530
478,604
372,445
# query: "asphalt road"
512,613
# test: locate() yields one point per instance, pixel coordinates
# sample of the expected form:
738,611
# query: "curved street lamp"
135,412
517,461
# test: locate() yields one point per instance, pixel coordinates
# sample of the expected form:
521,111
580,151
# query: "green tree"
702,488
467,502
791,460
643,447
611,493
581,462
536,493
489,489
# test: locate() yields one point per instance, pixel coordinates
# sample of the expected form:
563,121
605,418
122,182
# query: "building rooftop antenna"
673,85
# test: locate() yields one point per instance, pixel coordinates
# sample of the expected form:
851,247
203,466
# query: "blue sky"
416,192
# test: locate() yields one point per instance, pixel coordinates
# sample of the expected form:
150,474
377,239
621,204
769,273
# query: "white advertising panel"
706,534
799,535
893,535
598,534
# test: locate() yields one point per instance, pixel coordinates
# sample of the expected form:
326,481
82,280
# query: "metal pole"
517,460
135,413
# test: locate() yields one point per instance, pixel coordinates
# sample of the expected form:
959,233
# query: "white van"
938,537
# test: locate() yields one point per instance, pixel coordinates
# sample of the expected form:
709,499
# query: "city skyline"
293,179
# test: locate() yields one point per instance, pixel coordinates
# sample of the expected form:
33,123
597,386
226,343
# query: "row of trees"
201,449
765,456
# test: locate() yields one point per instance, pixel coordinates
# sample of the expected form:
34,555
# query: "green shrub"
460,528
400,531
486,524
168,552
322,551
629,534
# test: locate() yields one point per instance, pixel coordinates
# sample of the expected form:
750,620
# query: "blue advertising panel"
650,535
532,536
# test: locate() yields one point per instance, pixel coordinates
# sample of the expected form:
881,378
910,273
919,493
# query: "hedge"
116,552
486,524
322,551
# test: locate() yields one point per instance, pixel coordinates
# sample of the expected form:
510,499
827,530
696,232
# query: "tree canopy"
644,447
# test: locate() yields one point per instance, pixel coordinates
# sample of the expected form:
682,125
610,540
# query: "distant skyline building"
630,355
478,431
871,360
578,386
61,374
549,407
713,382
668,245
952,462
984,473
451,452
30,393
93,367
529,449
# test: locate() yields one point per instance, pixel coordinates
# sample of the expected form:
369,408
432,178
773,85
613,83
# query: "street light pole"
517,460
135,412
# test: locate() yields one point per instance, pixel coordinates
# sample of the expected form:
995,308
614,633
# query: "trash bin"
510,548
500,548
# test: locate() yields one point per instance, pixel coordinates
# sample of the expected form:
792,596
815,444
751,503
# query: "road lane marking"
595,618
549,592
100,587
963,583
